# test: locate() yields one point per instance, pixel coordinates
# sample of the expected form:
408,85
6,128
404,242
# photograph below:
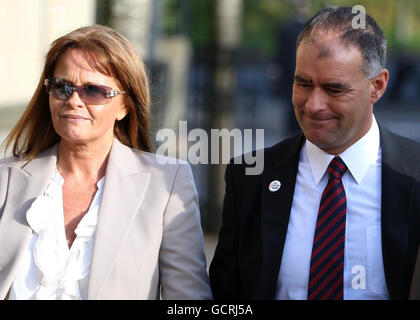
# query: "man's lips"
319,119
317,122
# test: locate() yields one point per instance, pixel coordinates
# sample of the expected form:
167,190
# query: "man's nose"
316,101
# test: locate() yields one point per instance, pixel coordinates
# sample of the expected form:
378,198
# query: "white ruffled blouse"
49,270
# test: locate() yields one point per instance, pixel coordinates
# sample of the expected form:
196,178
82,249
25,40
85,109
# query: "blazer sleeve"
224,271
182,260
4,176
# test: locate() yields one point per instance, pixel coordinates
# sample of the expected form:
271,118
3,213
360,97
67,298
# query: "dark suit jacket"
415,284
248,255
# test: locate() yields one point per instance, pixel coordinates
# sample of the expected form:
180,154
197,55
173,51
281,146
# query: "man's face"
331,95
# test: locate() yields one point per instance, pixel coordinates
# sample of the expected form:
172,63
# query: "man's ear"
379,84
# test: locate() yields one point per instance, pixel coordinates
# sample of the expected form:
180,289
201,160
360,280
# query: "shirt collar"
358,157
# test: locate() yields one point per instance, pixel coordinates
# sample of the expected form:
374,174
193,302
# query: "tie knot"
337,168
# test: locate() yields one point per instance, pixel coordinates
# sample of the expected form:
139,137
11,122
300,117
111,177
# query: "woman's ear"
379,84
122,113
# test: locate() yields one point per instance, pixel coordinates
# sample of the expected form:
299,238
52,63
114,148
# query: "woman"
86,211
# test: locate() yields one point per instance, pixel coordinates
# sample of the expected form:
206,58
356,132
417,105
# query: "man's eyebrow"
331,85
299,78
335,85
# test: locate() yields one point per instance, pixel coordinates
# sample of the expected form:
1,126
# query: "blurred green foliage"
400,20
261,19
192,18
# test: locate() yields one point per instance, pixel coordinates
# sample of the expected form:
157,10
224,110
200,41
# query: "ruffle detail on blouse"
61,268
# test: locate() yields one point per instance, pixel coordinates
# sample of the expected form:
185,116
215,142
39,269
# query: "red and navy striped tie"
327,260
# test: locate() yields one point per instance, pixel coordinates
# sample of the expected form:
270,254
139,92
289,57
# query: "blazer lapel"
397,194
123,193
281,165
25,184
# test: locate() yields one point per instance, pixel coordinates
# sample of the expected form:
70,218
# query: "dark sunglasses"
89,93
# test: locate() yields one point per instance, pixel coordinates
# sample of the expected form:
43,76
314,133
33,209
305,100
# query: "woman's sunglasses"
92,94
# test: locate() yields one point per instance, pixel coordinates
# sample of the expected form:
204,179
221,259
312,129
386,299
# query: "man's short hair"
370,40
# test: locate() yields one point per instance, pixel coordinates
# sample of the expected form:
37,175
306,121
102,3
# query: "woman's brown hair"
107,52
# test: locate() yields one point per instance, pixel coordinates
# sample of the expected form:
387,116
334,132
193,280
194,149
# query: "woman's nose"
74,100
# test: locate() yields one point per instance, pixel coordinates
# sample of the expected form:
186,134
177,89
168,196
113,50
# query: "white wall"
27,28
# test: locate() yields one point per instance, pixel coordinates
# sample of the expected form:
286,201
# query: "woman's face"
76,121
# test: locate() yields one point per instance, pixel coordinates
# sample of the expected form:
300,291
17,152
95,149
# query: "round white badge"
274,186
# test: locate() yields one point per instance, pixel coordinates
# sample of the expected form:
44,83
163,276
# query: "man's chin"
318,138
327,144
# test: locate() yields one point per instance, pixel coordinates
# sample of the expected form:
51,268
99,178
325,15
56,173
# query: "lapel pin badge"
274,185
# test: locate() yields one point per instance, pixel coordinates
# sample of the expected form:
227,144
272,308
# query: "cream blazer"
149,242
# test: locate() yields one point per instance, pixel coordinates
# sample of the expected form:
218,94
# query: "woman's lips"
73,118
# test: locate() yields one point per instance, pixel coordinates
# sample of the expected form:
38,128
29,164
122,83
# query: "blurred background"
214,63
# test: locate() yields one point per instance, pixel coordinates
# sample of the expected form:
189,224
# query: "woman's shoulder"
5,166
163,169
132,160
11,161
158,161
21,161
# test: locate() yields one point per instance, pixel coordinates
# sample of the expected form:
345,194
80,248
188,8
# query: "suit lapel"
397,194
415,282
281,165
26,183
123,193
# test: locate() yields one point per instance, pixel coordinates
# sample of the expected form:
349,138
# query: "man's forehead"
336,60
326,45
324,51
323,35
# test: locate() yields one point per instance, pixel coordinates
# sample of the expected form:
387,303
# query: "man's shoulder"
400,151
282,148
285,147
396,143
286,150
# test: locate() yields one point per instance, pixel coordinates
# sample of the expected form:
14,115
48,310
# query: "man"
336,212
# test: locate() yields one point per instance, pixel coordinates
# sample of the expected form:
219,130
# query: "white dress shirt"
49,270
364,276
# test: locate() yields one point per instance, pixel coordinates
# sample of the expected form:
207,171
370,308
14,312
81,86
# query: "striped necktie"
327,259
